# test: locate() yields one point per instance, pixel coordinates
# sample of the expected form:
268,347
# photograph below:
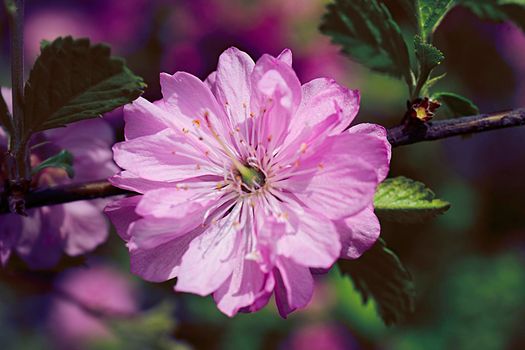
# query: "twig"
441,129
397,136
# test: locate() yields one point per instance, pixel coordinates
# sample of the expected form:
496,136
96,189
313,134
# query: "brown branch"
440,129
397,136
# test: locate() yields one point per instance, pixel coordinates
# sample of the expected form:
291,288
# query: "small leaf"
458,105
431,13
403,200
429,56
430,83
5,116
74,80
369,35
62,160
380,275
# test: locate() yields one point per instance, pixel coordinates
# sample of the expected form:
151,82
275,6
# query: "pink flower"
88,297
74,228
247,181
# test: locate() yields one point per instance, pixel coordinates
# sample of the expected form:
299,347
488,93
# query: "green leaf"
403,200
380,275
428,55
498,10
62,160
458,105
5,116
431,13
430,83
369,35
74,80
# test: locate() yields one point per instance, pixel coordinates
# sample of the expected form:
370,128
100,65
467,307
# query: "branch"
69,193
397,136
441,129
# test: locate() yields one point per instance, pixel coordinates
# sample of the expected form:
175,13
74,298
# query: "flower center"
252,178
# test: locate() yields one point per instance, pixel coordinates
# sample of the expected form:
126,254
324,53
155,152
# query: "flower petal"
380,155
358,233
84,227
162,262
40,244
311,239
208,261
143,118
340,179
122,213
163,157
294,286
276,95
233,85
322,98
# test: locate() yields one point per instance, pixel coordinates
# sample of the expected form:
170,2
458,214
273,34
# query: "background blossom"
75,228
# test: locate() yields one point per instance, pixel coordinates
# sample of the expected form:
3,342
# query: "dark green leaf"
431,13
403,200
369,35
62,160
5,116
429,56
458,105
498,10
74,80
380,275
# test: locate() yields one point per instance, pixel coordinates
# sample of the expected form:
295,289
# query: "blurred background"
468,265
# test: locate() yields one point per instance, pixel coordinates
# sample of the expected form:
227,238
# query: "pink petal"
162,262
189,99
343,175
163,157
294,286
84,227
286,57
10,226
322,98
143,118
233,85
89,141
276,94
311,239
40,243
358,233
209,259
122,213
242,288
379,156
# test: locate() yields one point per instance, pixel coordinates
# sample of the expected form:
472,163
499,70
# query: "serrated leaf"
498,10
5,116
61,160
368,34
428,55
379,275
431,13
404,200
458,105
74,80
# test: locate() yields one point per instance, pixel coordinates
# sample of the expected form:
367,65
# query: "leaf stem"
397,136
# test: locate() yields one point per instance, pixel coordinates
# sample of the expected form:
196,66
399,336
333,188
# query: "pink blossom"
247,180
74,228
86,298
